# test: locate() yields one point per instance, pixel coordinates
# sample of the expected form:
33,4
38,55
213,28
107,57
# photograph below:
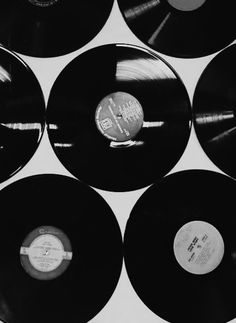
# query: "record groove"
181,28
118,117
49,28
214,106
64,251
180,247
22,114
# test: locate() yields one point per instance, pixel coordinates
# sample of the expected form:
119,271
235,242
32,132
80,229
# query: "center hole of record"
186,5
198,247
46,253
43,3
119,116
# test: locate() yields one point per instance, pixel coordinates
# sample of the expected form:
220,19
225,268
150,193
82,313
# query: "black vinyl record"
22,114
180,247
62,251
214,106
181,28
118,117
47,28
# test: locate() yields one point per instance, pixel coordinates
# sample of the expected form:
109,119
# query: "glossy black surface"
181,33
22,114
47,31
73,133
214,106
168,290
89,223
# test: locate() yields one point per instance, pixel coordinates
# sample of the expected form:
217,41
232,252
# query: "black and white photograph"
117,163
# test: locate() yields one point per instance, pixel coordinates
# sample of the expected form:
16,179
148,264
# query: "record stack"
117,121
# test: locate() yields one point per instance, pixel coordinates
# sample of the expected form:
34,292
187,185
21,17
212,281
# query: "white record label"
198,247
46,253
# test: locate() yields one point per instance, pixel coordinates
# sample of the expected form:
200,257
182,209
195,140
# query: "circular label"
43,3
186,5
119,116
198,247
46,253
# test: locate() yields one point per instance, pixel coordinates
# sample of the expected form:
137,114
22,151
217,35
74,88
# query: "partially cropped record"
48,28
22,114
214,106
180,247
62,251
118,117
181,28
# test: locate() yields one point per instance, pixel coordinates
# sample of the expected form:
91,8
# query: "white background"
124,305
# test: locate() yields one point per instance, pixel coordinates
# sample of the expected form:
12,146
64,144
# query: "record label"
43,3
119,116
46,253
198,247
186,5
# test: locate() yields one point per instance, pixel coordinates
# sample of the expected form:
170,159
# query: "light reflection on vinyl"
118,117
22,114
181,28
214,106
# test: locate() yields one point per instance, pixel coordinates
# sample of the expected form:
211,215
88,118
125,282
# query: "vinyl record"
22,114
214,106
47,28
181,28
118,117
180,247
62,251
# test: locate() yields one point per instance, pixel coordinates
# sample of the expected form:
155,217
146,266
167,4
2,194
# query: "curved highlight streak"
137,11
